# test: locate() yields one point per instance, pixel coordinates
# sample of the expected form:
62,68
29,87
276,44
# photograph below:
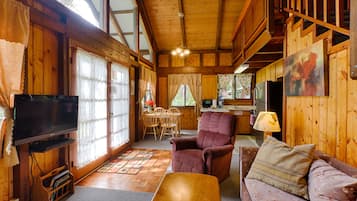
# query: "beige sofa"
267,192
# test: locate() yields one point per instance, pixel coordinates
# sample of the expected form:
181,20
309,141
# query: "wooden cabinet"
242,122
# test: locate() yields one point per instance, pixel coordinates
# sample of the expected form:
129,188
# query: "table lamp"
267,122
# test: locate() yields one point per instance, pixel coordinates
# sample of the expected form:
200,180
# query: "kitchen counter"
242,114
229,108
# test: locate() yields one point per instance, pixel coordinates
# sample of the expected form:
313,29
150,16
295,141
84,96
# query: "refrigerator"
268,96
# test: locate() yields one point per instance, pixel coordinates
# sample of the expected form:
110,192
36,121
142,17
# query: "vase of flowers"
149,105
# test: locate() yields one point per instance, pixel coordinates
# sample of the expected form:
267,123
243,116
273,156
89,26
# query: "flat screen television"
37,117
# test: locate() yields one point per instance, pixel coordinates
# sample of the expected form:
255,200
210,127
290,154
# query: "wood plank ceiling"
193,24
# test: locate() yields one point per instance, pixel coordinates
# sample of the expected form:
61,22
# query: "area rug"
129,162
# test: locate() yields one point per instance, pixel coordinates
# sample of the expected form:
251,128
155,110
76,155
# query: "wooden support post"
306,4
325,10
315,9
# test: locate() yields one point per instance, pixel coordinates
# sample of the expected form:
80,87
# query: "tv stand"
43,146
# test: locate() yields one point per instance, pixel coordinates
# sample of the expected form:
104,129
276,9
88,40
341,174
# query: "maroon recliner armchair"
211,151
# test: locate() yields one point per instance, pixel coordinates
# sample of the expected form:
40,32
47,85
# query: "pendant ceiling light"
180,52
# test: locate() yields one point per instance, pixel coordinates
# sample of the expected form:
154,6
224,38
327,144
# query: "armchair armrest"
183,143
217,151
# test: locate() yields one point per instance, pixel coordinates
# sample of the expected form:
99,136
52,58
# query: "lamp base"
267,134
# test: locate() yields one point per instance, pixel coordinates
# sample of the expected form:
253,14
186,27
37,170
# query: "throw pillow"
282,166
329,183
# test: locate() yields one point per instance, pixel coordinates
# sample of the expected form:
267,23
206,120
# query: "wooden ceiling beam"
117,27
182,22
275,52
265,57
147,24
219,23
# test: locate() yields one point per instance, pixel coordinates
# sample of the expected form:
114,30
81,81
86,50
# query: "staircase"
328,19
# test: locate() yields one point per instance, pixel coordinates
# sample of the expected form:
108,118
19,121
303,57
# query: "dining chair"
177,114
174,110
150,121
159,109
168,124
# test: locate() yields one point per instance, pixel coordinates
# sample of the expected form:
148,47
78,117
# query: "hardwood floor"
146,180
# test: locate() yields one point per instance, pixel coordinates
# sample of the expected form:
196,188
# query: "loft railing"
332,14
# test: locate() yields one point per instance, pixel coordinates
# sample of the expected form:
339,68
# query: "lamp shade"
267,122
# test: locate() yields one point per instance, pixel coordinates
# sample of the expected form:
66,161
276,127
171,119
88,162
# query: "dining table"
162,115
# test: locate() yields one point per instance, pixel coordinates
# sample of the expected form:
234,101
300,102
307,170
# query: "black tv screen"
37,117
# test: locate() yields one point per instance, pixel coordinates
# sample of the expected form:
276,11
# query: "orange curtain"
14,35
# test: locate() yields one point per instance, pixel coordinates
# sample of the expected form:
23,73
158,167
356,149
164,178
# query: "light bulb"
173,52
182,54
178,50
186,51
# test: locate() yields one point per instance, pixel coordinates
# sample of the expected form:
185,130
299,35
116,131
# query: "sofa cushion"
282,166
328,183
209,139
261,191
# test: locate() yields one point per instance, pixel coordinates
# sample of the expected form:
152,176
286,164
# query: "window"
92,114
183,97
243,86
225,86
90,10
235,86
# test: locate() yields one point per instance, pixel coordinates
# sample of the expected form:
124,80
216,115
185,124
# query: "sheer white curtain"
91,87
119,105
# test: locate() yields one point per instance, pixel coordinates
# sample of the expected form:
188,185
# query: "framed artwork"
305,72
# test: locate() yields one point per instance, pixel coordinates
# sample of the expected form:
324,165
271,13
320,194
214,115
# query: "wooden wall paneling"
351,123
279,68
323,107
341,103
5,178
209,59
177,61
209,86
50,60
28,88
315,121
267,73
193,60
325,121
162,95
164,60
225,59
273,72
331,104
38,78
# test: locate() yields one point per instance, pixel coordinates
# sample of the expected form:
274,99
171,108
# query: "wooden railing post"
337,11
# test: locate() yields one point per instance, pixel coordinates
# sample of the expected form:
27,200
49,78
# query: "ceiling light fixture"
241,68
180,52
